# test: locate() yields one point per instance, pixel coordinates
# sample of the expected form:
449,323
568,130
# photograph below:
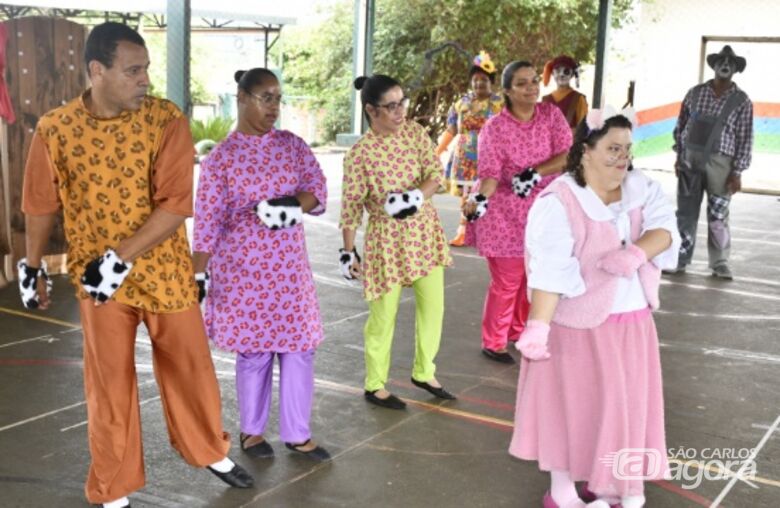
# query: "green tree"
199,67
318,62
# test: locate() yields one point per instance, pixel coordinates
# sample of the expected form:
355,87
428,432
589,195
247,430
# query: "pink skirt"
595,408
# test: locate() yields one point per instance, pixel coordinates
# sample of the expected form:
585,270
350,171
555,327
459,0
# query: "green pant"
429,315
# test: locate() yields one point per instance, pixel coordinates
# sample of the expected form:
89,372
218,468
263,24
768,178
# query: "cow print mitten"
401,205
202,278
28,282
523,183
346,260
103,275
280,213
482,206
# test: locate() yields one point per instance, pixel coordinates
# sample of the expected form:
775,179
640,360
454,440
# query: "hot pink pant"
506,303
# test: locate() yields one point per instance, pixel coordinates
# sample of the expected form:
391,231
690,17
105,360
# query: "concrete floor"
721,361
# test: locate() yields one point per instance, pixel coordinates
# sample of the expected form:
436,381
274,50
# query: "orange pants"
188,390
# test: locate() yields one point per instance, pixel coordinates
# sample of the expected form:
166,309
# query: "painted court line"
47,319
81,424
745,464
727,317
743,240
54,412
41,416
738,279
750,294
34,339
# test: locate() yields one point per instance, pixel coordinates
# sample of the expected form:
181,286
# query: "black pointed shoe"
262,450
391,402
439,392
318,453
236,477
504,357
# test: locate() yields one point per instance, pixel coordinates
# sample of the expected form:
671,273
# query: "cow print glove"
202,278
28,282
482,206
400,205
103,275
523,183
346,261
280,213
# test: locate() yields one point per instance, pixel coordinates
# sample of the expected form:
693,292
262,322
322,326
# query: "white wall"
668,42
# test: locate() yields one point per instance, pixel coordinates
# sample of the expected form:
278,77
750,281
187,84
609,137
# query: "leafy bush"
216,129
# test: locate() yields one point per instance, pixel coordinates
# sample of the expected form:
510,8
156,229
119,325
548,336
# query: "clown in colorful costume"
572,103
465,119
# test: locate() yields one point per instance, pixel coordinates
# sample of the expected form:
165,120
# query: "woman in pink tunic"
520,152
253,190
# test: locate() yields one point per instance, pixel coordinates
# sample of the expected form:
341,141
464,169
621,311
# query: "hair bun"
238,75
359,82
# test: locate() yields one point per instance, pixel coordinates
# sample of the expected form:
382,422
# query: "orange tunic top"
108,175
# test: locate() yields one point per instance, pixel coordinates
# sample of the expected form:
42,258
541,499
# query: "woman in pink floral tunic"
520,152
253,190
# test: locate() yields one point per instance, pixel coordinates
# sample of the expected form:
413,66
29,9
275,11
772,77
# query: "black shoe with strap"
317,453
496,356
261,450
237,477
438,391
390,402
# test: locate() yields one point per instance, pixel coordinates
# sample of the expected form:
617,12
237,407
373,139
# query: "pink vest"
592,240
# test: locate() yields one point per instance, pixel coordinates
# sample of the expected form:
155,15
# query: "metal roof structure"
178,18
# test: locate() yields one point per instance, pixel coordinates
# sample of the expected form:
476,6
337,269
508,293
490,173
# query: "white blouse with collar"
550,243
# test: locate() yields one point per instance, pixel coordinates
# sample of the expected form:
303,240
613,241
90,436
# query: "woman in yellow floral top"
392,172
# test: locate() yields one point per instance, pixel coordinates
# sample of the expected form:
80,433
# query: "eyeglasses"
392,107
268,98
616,153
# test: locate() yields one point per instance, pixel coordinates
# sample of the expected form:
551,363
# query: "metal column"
363,57
178,62
602,43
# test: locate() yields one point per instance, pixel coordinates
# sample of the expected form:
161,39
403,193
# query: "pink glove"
623,262
533,341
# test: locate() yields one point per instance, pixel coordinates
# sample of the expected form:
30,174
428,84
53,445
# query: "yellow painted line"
55,321
463,414
432,407
714,469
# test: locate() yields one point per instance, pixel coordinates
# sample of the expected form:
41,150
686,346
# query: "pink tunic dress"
262,296
508,146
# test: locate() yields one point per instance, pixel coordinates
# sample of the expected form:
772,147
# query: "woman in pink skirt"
589,398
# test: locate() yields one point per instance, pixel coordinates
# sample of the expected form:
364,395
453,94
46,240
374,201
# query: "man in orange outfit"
119,164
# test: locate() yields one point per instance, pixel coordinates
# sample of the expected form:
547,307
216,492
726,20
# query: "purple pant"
254,384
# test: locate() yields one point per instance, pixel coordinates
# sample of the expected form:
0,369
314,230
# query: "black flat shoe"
498,357
261,450
236,477
440,392
319,453
391,402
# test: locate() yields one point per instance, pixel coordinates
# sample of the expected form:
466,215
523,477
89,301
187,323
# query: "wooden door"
44,69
